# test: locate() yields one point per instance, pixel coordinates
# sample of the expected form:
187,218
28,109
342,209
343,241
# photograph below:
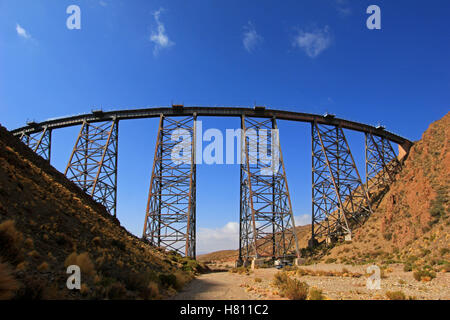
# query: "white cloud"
343,7
302,220
313,42
22,32
250,38
159,36
224,238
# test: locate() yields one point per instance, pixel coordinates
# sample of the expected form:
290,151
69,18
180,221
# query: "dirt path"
215,286
227,286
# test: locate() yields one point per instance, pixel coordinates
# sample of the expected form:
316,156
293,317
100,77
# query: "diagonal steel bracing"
39,142
381,164
267,227
171,205
93,162
339,198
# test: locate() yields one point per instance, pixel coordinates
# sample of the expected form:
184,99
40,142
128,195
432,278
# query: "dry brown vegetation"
47,223
290,288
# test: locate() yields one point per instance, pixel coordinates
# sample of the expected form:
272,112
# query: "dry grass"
395,295
43,267
153,290
241,270
10,242
291,288
315,294
321,273
83,261
8,284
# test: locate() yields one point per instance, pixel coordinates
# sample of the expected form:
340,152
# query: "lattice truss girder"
93,162
171,206
339,199
266,217
381,163
39,142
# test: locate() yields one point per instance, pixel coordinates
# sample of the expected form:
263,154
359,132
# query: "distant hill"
303,235
411,223
47,223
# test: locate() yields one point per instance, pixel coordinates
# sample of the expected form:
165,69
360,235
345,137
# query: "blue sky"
310,56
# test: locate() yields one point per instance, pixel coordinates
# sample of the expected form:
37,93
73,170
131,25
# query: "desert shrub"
10,242
31,289
279,279
84,290
407,267
395,295
446,267
444,251
8,284
116,291
150,292
330,260
241,270
96,241
138,281
118,244
293,289
43,266
190,265
28,243
63,240
168,280
71,259
424,275
301,272
258,280
290,268
315,294
181,279
83,261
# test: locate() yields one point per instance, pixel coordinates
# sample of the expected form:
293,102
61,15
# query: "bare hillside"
47,223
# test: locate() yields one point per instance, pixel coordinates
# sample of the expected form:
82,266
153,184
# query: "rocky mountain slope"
411,223
48,223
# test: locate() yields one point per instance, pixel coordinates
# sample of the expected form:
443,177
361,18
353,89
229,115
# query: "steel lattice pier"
170,213
267,227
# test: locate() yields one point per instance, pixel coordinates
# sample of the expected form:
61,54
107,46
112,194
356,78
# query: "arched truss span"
340,199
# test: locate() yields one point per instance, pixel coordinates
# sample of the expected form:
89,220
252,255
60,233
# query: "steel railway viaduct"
340,199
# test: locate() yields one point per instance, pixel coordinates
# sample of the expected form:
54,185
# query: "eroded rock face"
412,218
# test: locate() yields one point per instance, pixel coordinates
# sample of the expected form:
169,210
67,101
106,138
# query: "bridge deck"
211,111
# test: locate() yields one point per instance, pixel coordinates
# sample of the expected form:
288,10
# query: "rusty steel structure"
93,162
382,164
267,227
170,214
340,199
39,142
